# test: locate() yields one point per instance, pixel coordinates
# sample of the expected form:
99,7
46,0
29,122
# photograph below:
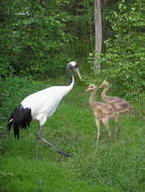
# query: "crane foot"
62,153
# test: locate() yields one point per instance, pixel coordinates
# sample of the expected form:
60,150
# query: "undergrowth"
118,167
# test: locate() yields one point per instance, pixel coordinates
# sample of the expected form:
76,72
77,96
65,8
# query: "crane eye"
92,86
74,67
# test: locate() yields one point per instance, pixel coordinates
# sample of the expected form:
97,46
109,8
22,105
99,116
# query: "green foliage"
115,168
40,41
39,37
123,58
32,37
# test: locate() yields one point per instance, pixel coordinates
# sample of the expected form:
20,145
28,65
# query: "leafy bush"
32,37
123,59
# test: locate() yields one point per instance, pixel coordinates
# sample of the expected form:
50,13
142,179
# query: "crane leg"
43,140
117,128
98,132
106,124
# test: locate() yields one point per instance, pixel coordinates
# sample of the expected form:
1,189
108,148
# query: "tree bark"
98,34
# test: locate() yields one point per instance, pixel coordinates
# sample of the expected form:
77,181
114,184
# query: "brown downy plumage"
103,112
119,105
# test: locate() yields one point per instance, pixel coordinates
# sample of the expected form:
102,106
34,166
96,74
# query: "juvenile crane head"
91,87
74,67
104,84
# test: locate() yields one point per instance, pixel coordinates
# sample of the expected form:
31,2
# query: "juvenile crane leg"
43,140
106,124
98,132
117,128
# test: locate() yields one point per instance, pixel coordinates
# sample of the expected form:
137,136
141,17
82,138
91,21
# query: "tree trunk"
98,34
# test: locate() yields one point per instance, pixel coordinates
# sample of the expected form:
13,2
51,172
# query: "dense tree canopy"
37,39
40,37
124,46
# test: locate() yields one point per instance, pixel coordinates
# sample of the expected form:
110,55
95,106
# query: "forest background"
37,39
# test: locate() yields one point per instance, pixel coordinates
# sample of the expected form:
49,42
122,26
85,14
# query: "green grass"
116,168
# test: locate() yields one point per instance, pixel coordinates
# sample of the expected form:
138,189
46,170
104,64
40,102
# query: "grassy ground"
116,168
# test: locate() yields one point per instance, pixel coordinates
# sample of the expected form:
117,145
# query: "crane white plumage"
41,105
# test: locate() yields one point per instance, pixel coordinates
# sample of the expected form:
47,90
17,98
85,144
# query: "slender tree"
98,34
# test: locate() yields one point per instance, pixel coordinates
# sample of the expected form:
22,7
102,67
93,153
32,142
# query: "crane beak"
78,73
86,90
100,86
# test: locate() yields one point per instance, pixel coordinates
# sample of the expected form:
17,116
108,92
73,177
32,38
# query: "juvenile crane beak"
87,89
100,86
78,73
104,83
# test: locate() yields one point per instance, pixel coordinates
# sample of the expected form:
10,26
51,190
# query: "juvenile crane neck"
104,93
92,98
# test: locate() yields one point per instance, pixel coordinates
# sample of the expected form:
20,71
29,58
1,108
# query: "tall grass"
116,168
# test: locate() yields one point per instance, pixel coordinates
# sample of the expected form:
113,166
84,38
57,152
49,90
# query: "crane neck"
70,85
104,93
71,81
92,98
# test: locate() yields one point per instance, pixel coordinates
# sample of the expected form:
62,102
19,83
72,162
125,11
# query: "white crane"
40,106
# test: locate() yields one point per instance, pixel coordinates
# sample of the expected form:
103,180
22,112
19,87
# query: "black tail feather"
10,122
9,125
20,118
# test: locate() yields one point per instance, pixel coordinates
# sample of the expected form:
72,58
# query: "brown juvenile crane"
119,105
103,112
